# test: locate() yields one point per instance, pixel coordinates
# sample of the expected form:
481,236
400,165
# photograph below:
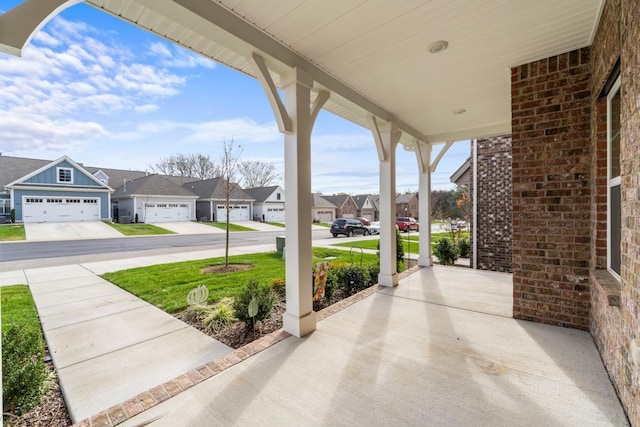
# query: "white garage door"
275,215
325,216
237,213
167,212
60,209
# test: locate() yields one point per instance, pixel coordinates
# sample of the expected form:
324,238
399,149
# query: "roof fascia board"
24,187
215,21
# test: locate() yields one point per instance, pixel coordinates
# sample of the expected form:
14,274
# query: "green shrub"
196,312
254,296
13,216
136,218
446,252
350,279
464,248
374,271
23,369
399,252
279,286
220,316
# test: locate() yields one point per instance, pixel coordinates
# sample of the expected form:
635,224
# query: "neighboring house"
52,191
269,203
212,196
462,177
345,206
154,198
407,205
322,210
366,206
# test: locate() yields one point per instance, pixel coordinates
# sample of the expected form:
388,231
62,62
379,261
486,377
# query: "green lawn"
410,242
18,307
167,285
137,229
232,227
11,232
323,224
277,224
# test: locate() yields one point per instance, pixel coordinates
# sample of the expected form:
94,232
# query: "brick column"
551,192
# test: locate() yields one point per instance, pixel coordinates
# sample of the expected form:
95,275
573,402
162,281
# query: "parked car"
348,227
364,221
374,228
407,224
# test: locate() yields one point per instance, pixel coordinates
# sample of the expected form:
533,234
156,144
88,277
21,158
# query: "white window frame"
58,170
611,181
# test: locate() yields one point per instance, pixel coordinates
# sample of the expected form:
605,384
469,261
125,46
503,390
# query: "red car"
407,224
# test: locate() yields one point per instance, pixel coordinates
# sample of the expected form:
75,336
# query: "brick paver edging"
120,413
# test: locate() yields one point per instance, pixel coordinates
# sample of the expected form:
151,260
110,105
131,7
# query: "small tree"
257,174
13,216
229,169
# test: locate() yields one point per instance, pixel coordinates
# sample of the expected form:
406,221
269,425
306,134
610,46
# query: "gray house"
211,194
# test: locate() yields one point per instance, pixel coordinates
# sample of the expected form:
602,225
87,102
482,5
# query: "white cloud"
240,130
177,57
147,108
160,49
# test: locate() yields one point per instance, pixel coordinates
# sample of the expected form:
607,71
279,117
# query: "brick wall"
551,189
614,325
494,236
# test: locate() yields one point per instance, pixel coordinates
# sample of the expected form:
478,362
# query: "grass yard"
232,227
167,285
18,307
138,229
276,224
410,242
10,232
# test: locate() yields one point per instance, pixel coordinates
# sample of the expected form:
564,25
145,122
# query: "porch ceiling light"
459,111
437,46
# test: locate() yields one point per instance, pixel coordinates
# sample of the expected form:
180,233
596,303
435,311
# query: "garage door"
237,213
325,216
60,209
167,212
275,215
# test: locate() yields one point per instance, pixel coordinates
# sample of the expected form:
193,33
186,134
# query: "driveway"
51,231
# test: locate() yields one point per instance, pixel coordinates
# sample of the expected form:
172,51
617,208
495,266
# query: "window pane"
615,135
616,226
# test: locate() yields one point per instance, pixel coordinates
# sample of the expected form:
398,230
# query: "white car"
374,227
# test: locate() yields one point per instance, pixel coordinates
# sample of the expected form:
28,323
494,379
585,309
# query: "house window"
5,206
614,201
65,175
278,196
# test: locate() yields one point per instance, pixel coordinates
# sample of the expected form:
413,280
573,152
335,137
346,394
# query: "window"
65,175
614,201
278,196
5,206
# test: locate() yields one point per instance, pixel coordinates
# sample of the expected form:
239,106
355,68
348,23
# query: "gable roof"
214,189
319,201
22,180
405,198
361,199
260,194
466,166
14,168
152,185
338,199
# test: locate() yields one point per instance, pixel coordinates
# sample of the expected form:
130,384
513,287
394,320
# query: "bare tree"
257,174
229,170
191,165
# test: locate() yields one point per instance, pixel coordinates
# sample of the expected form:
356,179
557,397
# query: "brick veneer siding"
493,229
614,325
551,192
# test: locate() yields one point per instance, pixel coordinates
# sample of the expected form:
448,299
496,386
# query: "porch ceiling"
372,54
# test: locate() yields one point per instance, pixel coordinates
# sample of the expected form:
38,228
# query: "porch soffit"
372,54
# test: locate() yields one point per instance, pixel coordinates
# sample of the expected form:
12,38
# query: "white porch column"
387,136
299,319
423,155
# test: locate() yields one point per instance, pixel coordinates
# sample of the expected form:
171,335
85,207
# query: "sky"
108,94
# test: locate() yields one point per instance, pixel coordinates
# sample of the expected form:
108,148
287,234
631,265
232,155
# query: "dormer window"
278,196
65,175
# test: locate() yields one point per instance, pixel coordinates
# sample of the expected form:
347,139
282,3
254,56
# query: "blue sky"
109,94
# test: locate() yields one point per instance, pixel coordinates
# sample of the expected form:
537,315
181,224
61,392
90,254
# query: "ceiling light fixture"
459,111
438,46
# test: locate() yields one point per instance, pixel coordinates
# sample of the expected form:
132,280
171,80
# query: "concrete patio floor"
409,356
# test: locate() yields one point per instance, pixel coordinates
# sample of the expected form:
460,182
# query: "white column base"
425,261
299,326
389,280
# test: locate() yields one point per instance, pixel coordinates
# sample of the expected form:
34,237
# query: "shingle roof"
260,194
152,185
337,200
360,199
214,189
318,201
13,168
405,198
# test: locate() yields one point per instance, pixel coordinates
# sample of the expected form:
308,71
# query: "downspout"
474,171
